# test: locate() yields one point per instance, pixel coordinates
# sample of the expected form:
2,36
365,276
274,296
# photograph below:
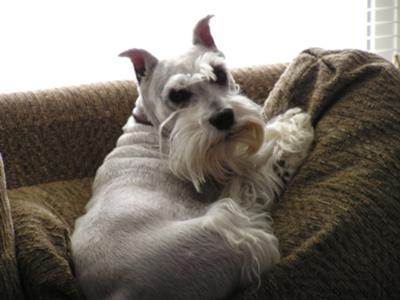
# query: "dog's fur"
180,207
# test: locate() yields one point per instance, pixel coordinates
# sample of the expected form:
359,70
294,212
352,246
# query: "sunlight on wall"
48,43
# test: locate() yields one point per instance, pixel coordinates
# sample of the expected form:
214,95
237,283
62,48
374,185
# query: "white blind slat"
383,27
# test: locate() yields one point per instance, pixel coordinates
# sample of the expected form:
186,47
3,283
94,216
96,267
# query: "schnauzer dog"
180,208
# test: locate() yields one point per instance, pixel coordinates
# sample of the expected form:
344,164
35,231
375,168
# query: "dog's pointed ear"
202,34
143,62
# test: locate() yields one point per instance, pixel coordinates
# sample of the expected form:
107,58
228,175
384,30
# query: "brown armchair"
338,221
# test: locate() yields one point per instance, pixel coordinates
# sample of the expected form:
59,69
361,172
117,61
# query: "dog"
180,208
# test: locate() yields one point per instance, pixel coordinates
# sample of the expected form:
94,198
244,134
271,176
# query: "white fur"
197,150
180,209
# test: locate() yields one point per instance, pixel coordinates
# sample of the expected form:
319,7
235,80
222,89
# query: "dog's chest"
135,181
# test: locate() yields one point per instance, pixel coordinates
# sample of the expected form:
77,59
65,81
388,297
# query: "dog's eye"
179,97
220,74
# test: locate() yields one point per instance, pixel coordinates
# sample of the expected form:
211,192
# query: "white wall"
48,43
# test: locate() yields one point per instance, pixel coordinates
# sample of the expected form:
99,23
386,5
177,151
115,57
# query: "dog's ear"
143,62
202,34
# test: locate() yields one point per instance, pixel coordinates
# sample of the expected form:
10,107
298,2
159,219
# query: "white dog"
180,207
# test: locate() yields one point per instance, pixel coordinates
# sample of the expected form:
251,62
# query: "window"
384,27
56,43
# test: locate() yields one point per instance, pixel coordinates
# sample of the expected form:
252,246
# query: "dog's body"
189,220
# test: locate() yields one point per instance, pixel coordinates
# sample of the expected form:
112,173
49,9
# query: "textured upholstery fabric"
44,215
338,221
63,133
10,287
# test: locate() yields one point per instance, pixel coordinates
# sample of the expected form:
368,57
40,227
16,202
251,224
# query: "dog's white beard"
197,153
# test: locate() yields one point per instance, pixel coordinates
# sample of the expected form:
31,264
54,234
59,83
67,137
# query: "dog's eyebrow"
198,77
184,80
207,61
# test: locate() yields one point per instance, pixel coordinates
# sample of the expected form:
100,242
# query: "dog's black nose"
223,119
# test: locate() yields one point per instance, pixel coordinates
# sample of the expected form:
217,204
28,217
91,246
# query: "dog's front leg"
293,134
248,234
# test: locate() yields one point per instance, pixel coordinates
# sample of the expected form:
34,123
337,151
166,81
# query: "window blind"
383,29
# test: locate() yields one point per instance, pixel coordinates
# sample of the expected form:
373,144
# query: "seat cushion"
43,217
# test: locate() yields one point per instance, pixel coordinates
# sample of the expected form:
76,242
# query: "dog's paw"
295,135
284,170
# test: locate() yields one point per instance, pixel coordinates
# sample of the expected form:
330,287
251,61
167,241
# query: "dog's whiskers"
162,128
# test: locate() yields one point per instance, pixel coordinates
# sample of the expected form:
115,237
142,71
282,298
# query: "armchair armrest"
62,133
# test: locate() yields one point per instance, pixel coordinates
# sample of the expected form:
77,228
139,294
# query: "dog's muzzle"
223,119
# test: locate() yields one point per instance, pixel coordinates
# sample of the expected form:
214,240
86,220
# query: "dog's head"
194,100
